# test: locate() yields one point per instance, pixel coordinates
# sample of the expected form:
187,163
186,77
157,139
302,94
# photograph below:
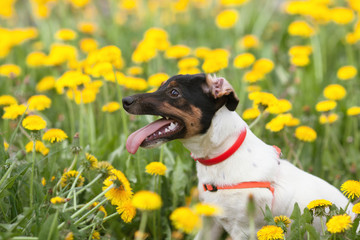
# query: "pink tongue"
136,138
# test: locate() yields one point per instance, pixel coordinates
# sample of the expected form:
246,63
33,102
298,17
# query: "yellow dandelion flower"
279,122
216,60
135,70
263,98
156,168
54,135
6,146
339,223
39,147
328,118
65,34
300,60
121,191
346,72
95,235
206,209
36,59
341,15
69,236
177,51
263,66
111,107
68,178
39,102
105,168
45,84
280,106
135,83
244,60
10,70
185,219
13,111
325,106
92,160
146,200
354,4
202,52
156,79
282,219
227,18
300,50
111,54
58,200
88,45
301,28
249,41
320,203
6,100
144,52
189,71
34,122
253,88
87,27
351,189
353,111
187,63
233,2
270,232
252,76
251,113
127,211
334,92
158,37
356,208
305,133
43,181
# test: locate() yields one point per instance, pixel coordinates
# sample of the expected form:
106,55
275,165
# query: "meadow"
65,66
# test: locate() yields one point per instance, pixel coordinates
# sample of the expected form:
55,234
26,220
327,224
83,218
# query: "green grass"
334,155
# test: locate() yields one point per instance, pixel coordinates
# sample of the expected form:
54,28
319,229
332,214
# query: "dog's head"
186,103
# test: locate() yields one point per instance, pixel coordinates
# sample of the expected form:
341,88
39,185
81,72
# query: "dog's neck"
222,133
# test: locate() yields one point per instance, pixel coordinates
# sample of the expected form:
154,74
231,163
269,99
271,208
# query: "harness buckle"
210,188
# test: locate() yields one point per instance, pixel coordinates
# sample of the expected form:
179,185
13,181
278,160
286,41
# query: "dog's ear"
219,88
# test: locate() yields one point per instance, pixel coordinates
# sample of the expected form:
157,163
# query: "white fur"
253,161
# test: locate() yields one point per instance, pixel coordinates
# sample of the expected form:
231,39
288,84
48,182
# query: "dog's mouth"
153,134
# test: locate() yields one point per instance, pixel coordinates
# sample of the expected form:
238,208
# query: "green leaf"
3,154
314,235
268,217
48,231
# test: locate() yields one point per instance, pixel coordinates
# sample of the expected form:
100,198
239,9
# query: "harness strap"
242,185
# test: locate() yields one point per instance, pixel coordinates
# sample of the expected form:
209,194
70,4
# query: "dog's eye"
174,93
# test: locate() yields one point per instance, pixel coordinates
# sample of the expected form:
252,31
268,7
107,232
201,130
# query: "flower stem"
143,221
111,216
256,120
72,190
90,212
53,225
86,206
7,173
89,184
32,175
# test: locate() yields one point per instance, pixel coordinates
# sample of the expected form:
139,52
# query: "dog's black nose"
127,101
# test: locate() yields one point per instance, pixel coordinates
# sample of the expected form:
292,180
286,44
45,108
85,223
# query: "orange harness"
243,185
223,157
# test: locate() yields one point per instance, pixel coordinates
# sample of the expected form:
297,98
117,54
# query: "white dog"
232,163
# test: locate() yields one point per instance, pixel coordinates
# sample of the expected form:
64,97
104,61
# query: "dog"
232,163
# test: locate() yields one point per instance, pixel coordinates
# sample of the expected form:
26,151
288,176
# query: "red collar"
226,154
